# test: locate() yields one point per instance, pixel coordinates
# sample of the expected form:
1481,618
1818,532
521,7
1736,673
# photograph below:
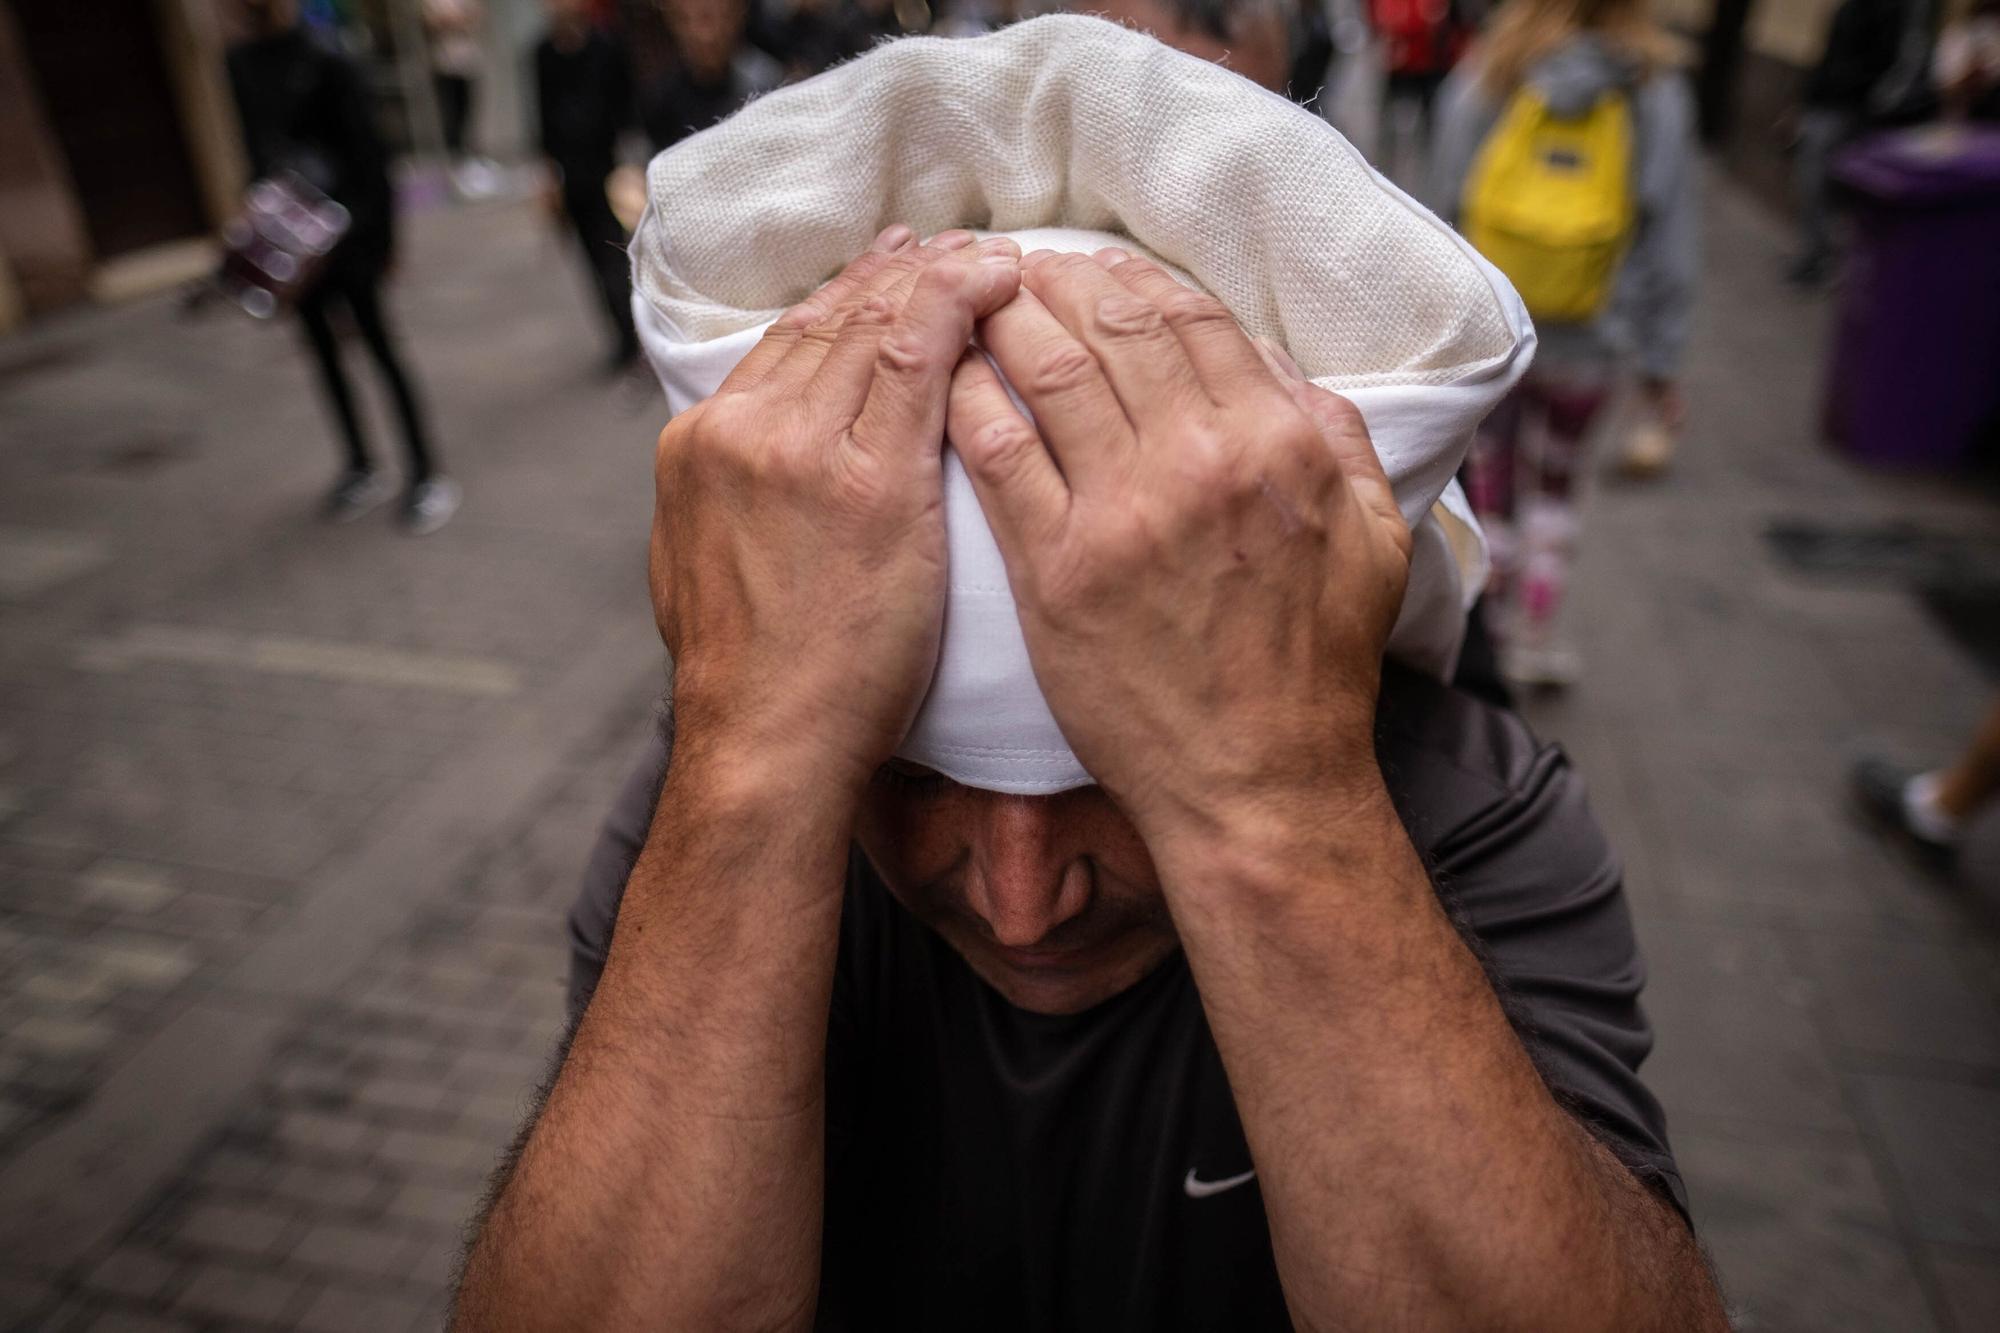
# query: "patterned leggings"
1523,476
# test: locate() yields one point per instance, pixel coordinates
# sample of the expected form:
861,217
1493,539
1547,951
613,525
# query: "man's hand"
1204,549
798,553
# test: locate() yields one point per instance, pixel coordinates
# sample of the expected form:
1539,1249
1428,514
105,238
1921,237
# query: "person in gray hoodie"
1528,456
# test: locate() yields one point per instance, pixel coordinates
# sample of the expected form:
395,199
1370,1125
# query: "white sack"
1075,123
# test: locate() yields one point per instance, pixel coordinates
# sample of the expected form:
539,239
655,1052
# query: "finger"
845,377
916,354
1074,407
785,331
853,316
1346,436
1019,486
1141,357
1221,353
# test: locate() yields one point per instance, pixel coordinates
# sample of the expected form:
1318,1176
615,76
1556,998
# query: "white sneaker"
1546,666
357,492
430,506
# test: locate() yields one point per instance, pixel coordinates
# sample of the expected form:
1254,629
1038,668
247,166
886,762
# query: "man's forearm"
673,1179
1415,1170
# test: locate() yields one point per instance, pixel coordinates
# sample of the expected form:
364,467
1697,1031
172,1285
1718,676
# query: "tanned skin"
1207,561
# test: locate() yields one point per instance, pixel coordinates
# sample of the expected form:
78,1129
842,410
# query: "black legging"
602,237
357,289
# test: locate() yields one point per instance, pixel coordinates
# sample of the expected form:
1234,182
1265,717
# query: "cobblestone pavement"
289,813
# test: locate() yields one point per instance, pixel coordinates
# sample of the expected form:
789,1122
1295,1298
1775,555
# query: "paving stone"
440,1154
1970,1281
126,886
61,1038
129,1271
1942,1140
136,1321
380,1251
1801,1236
248,1229
438,1206
313,1131
325,1189
345,1309
1904,997
242,1294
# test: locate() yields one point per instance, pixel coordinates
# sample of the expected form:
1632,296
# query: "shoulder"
1451,750
1666,98
1499,816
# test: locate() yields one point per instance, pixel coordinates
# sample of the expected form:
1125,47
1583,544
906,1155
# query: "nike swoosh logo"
1201,1189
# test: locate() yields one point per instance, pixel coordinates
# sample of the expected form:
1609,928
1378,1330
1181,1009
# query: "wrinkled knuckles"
1061,371
1000,448
1191,311
1127,317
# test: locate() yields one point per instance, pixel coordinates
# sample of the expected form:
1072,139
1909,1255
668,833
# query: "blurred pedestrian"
1966,65
305,110
585,94
1252,37
1930,811
458,59
1420,41
1565,151
1853,82
714,71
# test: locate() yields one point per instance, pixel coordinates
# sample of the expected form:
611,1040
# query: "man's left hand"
1206,555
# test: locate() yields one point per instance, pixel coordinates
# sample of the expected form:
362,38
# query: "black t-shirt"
306,109
585,100
993,1168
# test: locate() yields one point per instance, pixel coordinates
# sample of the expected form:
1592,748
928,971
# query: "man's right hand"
798,551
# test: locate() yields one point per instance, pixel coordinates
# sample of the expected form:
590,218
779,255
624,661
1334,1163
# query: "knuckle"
1061,369
1127,317
1001,444
1193,310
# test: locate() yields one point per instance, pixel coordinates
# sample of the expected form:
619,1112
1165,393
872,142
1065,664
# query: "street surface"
290,813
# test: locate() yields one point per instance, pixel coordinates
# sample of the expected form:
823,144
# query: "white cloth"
1075,123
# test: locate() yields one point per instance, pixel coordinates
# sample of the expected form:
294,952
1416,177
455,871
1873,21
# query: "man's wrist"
1256,842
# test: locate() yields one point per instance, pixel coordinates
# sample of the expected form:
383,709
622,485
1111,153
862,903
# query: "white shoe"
1547,666
430,506
357,492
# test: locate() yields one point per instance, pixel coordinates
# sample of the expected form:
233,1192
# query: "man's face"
1258,48
1052,900
706,32
259,16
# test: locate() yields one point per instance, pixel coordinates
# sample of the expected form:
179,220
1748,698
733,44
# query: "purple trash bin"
1915,375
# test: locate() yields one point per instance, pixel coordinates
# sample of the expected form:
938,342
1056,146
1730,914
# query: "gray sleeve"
1460,122
595,912
1655,298
1539,895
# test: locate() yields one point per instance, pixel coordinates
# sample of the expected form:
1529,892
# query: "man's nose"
1024,882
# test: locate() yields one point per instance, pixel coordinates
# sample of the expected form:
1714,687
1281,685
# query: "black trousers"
454,94
603,239
357,288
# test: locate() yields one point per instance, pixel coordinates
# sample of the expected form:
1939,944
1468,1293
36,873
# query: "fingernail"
893,237
1111,256
999,250
951,240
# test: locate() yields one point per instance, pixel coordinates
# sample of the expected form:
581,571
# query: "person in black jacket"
305,109
1859,78
584,90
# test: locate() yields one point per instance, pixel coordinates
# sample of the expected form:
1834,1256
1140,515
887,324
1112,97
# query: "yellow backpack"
1549,201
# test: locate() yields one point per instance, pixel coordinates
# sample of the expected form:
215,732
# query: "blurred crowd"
1559,135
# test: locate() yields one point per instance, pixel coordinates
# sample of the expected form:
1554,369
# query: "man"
715,71
1234,925
584,91
305,111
